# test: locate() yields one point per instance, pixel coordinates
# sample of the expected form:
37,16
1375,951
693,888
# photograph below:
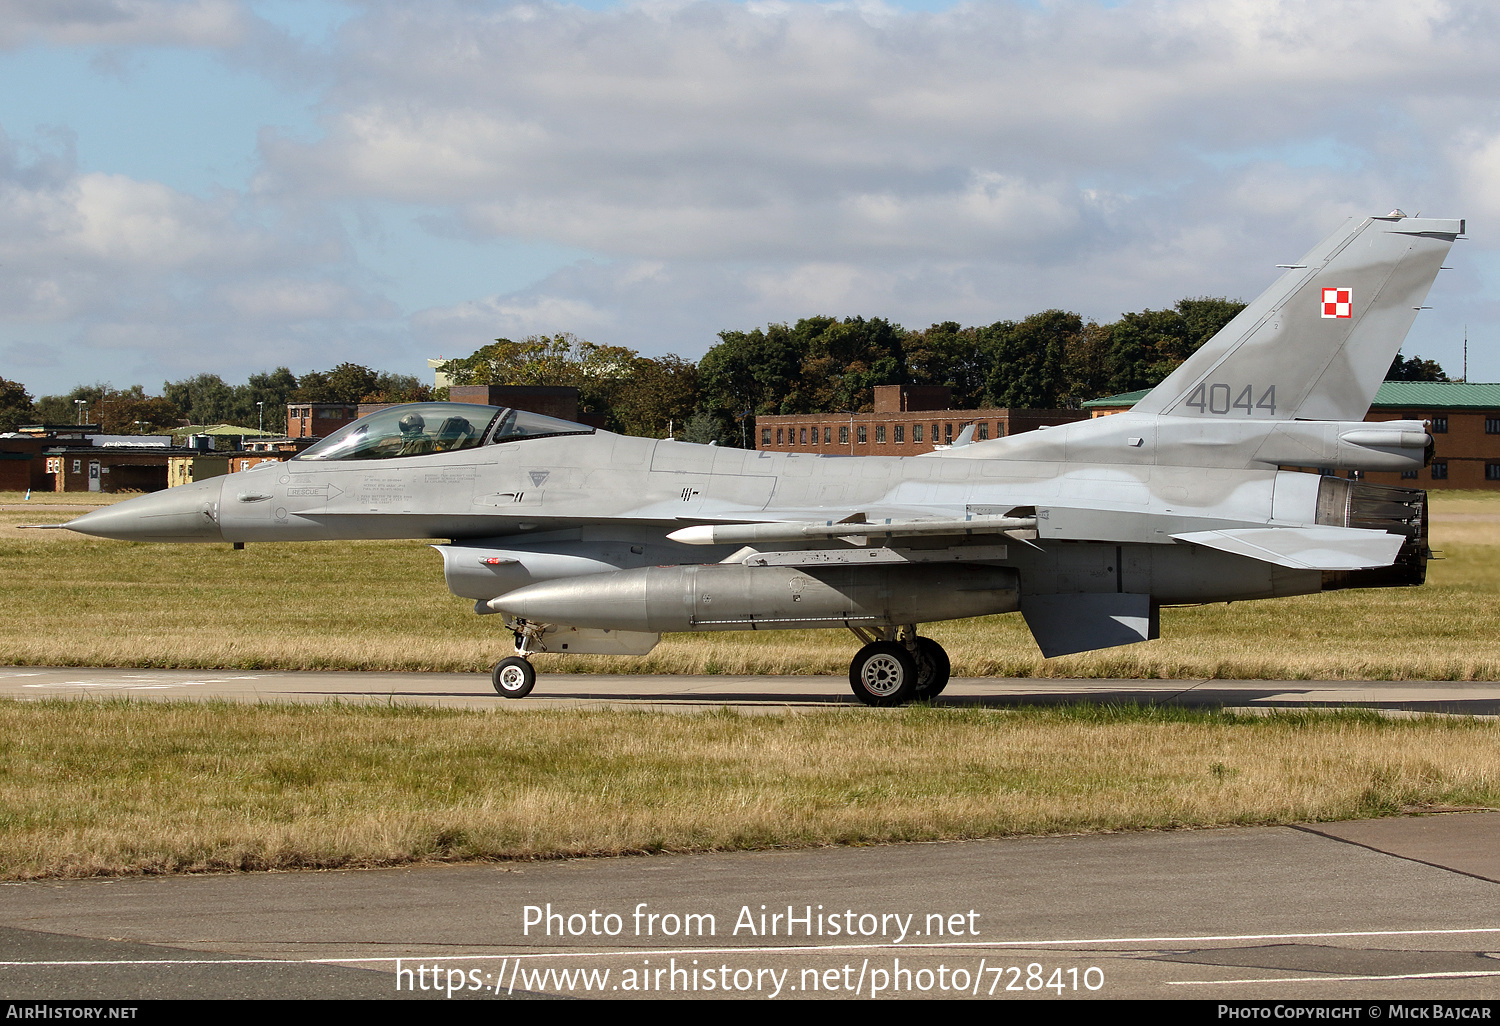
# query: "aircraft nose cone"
186,514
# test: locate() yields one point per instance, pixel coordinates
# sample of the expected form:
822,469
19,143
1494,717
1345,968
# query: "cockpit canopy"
417,429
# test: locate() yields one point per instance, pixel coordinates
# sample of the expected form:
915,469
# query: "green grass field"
72,600
92,788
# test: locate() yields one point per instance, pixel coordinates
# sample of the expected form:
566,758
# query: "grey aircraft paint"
586,541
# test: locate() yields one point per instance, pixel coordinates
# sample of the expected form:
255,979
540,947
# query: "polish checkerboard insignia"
1338,302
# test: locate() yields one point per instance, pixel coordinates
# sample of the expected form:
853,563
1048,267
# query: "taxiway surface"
750,694
1400,909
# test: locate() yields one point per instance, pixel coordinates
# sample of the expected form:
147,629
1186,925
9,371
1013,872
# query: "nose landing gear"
514,676
898,667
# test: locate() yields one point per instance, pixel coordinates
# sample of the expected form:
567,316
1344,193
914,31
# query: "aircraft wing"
1305,548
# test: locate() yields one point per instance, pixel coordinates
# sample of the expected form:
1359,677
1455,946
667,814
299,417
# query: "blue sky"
225,186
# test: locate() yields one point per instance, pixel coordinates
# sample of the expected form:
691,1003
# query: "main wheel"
883,673
514,677
933,669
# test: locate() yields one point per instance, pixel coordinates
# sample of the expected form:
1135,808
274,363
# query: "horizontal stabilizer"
1305,548
1065,624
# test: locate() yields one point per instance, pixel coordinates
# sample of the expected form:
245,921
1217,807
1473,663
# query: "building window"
934,434
947,433
1492,425
844,435
778,436
999,429
802,437
827,435
765,436
916,432
880,435
1440,425
984,432
864,434
78,466
1408,475
900,432
1492,471
1440,470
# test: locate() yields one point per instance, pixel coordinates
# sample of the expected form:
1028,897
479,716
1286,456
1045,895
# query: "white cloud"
76,243
1478,158
728,164
114,275
208,23
461,329
711,130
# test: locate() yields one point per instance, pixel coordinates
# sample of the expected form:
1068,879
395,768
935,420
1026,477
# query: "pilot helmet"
412,423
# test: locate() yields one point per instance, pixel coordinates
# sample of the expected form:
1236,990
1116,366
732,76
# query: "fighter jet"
584,541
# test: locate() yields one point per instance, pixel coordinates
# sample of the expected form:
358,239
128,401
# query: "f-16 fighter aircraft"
585,541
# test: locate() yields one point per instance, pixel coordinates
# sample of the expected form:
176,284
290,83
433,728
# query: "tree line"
206,399
818,365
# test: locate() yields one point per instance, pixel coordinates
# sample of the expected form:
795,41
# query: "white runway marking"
804,948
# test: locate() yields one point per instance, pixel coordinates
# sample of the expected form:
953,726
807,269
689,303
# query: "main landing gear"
896,666
514,676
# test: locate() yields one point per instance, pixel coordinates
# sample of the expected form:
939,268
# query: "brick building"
560,401
16,472
908,420
1463,418
23,455
111,468
318,420
23,462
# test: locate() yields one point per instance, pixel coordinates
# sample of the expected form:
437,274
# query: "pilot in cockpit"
414,439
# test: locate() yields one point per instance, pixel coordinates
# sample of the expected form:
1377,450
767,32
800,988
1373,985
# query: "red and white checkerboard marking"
1338,302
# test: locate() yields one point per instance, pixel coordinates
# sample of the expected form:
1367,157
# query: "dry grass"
91,788
72,600
61,498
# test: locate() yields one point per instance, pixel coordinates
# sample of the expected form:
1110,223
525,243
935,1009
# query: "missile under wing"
584,541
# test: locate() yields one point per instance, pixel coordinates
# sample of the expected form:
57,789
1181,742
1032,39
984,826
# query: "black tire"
883,673
933,669
513,677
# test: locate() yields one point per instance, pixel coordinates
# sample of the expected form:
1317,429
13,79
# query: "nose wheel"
514,677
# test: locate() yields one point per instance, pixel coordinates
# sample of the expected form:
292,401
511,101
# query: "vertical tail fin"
1316,344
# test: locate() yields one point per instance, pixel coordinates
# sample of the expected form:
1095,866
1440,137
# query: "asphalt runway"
685,693
1392,909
